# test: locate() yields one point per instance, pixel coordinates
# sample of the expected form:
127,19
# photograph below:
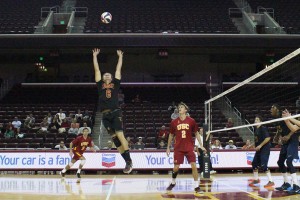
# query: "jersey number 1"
183,134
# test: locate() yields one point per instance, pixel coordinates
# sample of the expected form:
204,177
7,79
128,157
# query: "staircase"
229,111
96,129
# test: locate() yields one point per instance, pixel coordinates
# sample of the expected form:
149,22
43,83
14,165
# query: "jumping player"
77,148
183,127
261,157
108,88
288,152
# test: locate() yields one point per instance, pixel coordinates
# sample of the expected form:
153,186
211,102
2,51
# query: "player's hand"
286,113
119,52
257,148
96,52
284,139
71,154
168,152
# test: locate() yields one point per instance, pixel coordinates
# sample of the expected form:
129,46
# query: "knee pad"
71,164
82,162
117,141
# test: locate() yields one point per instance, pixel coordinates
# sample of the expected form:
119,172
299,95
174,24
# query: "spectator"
172,107
229,123
110,146
130,143
8,125
84,126
61,146
44,125
70,118
56,122
96,148
230,145
162,145
140,141
74,124
16,123
298,106
19,134
121,98
136,99
49,118
163,134
73,130
61,115
175,114
79,115
248,145
86,115
65,124
2,129
29,121
217,145
9,133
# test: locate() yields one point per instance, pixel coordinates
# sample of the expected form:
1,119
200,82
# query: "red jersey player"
77,148
182,128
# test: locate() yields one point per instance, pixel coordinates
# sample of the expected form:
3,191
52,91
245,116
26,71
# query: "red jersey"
183,131
80,144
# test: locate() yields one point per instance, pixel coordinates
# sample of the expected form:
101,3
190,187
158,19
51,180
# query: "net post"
206,158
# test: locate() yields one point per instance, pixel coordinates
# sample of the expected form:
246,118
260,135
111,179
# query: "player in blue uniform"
294,126
288,152
261,157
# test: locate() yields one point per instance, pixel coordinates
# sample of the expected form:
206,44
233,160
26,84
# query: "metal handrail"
261,10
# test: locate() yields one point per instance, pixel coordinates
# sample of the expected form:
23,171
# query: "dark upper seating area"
157,16
20,17
286,13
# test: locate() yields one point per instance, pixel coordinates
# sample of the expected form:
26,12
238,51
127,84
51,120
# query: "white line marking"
110,189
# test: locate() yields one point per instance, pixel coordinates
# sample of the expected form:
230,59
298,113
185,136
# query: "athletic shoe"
62,174
295,190
269,184
128,167
254,183
198,191
79,178
284,187
170,187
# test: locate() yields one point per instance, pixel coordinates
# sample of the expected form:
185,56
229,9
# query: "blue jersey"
260,135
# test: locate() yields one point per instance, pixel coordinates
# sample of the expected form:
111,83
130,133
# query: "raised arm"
292,124
119,64
96,65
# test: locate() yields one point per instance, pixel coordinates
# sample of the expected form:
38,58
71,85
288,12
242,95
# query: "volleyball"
106,17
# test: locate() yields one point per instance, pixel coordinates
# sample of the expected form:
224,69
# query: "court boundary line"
110,189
